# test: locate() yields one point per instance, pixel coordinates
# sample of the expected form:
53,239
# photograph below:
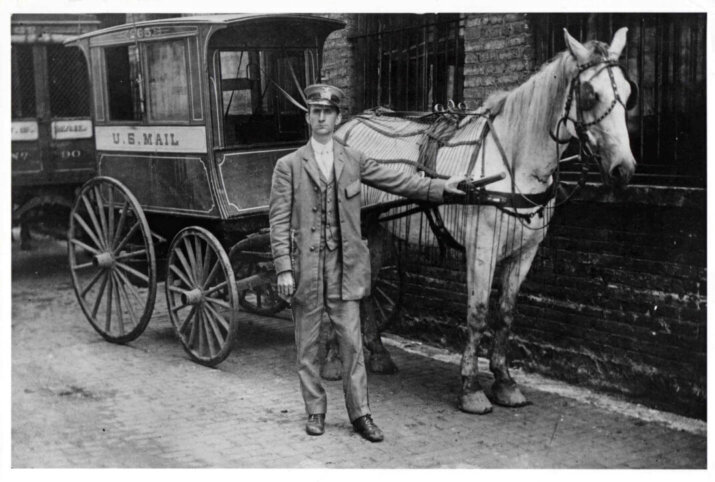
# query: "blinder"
632,100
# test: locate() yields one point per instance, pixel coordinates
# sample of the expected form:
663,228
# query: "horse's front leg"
480,272
505,392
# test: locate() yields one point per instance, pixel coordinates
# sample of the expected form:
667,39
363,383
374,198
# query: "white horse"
581,93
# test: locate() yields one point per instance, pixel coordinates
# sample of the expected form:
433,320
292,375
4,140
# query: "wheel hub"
103,260
193,297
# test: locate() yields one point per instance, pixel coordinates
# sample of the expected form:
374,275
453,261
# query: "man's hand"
286,284
450,185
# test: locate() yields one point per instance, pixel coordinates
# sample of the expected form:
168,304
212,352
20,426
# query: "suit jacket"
295,210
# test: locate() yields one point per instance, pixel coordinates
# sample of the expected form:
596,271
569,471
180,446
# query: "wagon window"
23,81
254,110
123,76
168,83
69,87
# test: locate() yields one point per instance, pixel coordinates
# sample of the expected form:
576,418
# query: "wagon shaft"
255,281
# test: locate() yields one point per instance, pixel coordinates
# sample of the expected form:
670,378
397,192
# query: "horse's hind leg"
332,367
379,359
505,392
480,272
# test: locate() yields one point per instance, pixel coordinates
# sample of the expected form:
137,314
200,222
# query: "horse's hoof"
508,395
332,370
381,363
475,402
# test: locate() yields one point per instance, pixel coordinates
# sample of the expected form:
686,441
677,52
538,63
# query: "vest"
329,224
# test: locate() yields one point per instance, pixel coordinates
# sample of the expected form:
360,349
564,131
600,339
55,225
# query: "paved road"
78,401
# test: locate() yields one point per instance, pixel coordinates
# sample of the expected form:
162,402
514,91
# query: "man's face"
322,119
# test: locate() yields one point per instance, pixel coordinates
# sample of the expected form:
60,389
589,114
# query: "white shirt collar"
320,149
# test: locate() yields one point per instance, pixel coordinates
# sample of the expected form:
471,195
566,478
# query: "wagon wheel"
387,293
201,295
250,257
111,259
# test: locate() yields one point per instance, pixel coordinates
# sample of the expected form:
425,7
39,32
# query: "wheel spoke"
100,295
102,217
84,265
177,308
187,267
93,218
194,330
218,302
181,275
131,287
199,260
187,320
124,240
191,258
131,254
91,283
212,273
128,304
84,246
120,224
108,320
120,315
110,215
218,317
131,270
205,335
89,232
216,288
382,310
207,259
213,335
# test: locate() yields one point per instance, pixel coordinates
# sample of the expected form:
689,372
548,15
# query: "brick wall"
338,66
498,54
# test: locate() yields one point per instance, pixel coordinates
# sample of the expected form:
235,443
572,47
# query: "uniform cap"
323,94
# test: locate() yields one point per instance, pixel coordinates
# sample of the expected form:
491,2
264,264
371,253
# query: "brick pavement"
78,401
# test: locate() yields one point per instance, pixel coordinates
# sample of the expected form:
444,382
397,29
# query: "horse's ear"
579,52
618,42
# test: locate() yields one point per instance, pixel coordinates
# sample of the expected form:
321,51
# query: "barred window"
68,79
123,78
665,54
167,81
409,62
23,82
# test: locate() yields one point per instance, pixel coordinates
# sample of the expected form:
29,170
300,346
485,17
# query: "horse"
581,93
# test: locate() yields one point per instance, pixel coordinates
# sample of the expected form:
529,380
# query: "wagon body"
189,117
52,134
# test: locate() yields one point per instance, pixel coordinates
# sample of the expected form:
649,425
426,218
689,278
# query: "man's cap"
324,94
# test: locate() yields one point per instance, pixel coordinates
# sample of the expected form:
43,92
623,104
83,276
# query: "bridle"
586,99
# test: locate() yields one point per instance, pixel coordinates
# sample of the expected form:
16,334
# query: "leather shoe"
367,429
315,424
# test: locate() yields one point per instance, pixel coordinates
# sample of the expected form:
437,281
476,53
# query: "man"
319,255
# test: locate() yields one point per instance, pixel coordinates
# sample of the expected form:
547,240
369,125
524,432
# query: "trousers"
345,317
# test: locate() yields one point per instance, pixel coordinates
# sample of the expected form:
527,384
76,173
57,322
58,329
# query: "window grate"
409,62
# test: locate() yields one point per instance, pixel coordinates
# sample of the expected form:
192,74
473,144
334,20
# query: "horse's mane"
530,105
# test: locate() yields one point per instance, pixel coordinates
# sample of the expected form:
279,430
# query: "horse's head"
600,96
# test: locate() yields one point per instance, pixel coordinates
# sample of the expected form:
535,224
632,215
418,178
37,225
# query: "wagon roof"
213,19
